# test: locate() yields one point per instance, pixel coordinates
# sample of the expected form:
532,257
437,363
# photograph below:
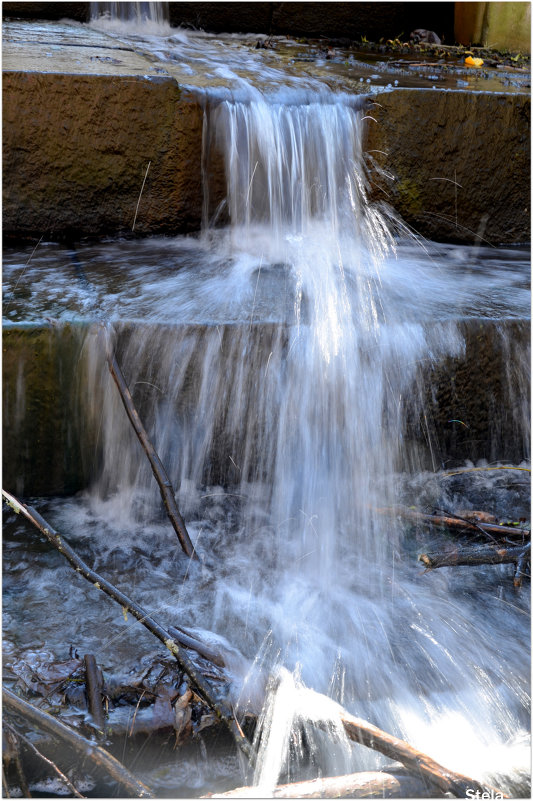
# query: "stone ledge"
76,152
84,116
460,161
50,446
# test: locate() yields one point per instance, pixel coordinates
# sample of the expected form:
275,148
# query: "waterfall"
145,17
286,400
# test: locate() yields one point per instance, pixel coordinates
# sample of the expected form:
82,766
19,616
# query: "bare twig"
140,195
187,641
469,523
202,687
94,753
66,781
454,522
160,474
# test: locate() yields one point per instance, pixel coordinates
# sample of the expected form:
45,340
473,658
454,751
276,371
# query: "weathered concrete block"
82,122
42,438
460,161
53,413
487,390
76,151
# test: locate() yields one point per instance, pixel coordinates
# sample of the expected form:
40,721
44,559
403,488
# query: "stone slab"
51,440
83,117
89,122
454,164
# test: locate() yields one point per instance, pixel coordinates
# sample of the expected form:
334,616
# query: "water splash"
131,18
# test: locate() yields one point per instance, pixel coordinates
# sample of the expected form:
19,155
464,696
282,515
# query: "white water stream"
294,393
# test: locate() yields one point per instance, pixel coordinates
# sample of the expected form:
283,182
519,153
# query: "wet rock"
422,35
41,436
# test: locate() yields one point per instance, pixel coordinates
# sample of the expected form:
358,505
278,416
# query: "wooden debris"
199,683
455,522
366,784
52,765
165,485
94,754
185,639
421,764
93,687
476,555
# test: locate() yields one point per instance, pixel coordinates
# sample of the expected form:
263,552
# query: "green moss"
41,431
410,200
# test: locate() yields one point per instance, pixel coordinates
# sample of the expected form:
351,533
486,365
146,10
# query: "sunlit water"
273,356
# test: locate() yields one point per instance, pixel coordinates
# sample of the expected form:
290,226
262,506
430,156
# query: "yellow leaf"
473,62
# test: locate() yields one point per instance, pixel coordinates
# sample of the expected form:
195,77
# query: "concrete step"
89,121
473,406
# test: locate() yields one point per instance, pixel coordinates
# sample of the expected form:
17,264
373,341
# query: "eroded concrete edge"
51,443
82,135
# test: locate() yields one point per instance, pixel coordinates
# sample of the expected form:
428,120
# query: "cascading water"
299,406
145,17
274,381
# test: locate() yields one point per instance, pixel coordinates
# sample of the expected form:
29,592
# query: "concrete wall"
460,162
346,20
50,441
498,25
76,149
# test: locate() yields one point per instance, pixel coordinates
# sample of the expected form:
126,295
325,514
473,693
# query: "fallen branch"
367,784
93,687
454,522
185,639
165,485
52,765
96,755
479,555
202,687
360,731
521,566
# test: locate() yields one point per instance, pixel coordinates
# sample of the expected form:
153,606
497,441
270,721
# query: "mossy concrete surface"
42,432
473,406
454,164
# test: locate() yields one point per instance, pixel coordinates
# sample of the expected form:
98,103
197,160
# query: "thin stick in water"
93,685
165,486
28,744
140,195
